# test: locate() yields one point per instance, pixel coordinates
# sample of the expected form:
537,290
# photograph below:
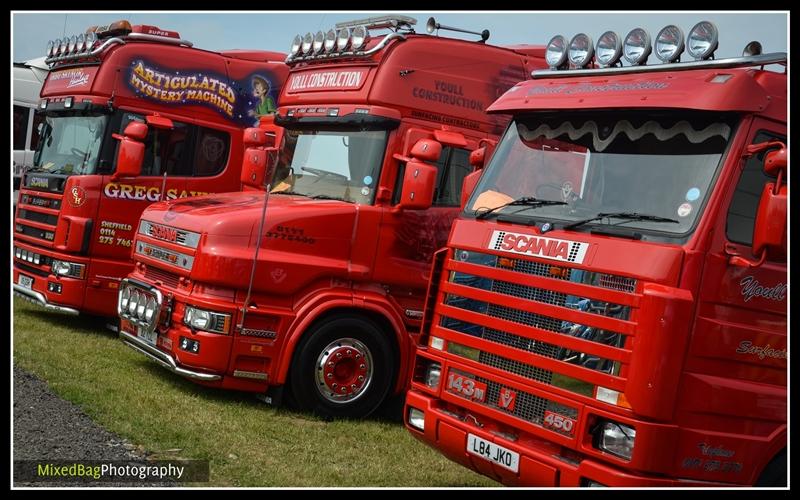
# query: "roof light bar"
390,21
735,62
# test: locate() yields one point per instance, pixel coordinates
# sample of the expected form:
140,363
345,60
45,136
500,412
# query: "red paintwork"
321,256
121,201
704,373
761,92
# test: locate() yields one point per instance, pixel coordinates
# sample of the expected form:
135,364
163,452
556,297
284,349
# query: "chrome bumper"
163,358
38,299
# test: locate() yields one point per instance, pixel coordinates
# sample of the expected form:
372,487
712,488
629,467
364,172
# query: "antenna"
432,26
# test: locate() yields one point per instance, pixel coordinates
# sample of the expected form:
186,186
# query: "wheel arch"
376,309
777,445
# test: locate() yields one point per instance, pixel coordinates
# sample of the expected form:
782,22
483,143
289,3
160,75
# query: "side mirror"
477,158
419,183
157,121
426,150
275,132
255,164
776,161
769,229
131,150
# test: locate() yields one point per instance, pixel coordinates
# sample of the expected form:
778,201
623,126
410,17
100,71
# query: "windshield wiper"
326,197
527,201
621,215
289,193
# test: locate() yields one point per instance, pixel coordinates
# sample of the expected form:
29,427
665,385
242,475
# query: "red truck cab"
611,306
317,283
182,109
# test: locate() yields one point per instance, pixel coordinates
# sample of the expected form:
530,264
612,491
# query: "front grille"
40,201
30,269
34,232
37,216
515,367
539,269
166,278
525,318
617,283
527,406
469,275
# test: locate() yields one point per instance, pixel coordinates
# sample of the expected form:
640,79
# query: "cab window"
743,207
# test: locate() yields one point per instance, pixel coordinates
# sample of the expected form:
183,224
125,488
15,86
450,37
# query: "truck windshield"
334,164
661,165
70,144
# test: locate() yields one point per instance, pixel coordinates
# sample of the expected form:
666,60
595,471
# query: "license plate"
25,281
493,452
151,337
464,386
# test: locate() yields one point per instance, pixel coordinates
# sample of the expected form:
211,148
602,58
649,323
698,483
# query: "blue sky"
275,30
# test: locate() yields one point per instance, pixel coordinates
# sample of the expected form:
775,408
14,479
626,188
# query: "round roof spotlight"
91,40
62,48
81,43
330,41
555,53
308,39
636,47
297,42
581,50
608,50
342,39
359,37
73,44
703,40
752,49
51,46
319,40
669,44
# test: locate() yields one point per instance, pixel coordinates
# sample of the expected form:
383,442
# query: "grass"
246,442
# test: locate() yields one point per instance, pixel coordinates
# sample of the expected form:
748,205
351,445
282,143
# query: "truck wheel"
774,473
343,367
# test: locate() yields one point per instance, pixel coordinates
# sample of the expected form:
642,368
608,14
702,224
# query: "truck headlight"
432,375
207,321
416,419
124,298
70,269
133,302
617,439
149,309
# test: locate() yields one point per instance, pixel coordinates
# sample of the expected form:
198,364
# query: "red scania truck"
317,284
173,113
611,307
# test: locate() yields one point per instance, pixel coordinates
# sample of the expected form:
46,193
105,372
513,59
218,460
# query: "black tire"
331,337
775,473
